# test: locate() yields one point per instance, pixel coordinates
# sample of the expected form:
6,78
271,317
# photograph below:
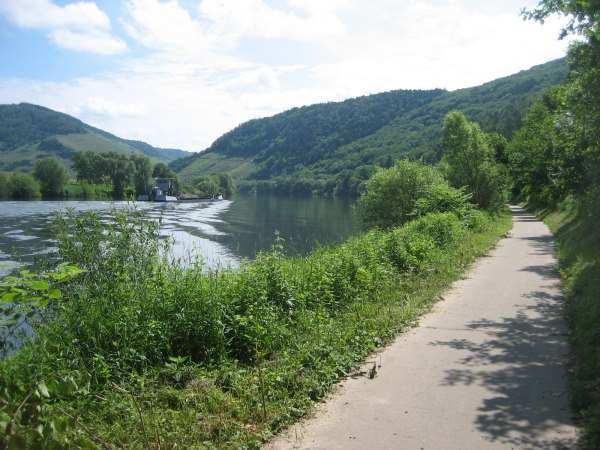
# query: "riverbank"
575,226
144,355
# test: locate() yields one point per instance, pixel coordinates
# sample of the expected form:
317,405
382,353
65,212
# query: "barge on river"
163,191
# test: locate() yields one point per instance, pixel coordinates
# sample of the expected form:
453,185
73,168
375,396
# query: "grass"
140,353
579,258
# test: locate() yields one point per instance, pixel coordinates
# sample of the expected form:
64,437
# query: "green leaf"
8,297
43,389
54,294
4,421
40,285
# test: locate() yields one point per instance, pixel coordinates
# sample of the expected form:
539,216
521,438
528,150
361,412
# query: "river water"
222,233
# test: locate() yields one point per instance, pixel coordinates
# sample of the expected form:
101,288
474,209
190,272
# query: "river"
222,233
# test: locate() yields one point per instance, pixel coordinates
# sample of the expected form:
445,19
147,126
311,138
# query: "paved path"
484,370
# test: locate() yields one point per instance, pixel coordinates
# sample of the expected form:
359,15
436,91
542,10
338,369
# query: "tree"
110,166
546,163
52,176
206,186
391,194
470,161
499,145
23,186
226,184
89,167
584,80
142,173
161,170
4,188
119,169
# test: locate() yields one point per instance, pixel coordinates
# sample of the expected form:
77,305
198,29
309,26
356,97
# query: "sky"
180,73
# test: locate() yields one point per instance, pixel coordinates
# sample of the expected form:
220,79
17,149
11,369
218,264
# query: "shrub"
22,186
391,194
443,198
444,228
417,243
410,251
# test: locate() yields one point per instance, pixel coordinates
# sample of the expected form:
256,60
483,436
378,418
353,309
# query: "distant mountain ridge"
29,132
333,147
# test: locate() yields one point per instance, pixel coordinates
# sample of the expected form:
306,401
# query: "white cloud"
421,44
199,79
164,26
89,41
80,26
234,20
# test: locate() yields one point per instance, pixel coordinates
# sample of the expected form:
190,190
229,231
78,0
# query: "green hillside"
333,147
29,132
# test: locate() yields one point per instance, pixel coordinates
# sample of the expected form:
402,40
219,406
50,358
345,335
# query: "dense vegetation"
52,176
555,162
213,185
18,186
102,176
334,148
120,171
31,132
134,351
471,160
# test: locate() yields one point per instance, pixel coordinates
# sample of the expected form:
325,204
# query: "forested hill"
29,132
333,147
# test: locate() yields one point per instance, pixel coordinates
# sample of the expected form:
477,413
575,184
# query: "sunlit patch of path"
484,370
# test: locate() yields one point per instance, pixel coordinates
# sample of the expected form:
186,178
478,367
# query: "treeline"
98,176
128,175
106,175
48,180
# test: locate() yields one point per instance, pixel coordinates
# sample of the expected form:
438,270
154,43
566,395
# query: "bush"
443,198
22,186
391,194
410,251
444,228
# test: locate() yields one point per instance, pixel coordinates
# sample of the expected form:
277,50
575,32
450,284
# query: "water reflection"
222,233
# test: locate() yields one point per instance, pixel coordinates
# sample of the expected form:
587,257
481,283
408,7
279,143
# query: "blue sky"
179,73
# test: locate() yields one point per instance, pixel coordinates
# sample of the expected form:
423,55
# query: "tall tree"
470,161
546,164
584,81
52,176
142,173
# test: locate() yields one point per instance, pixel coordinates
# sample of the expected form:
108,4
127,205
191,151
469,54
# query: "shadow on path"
519,360
527,354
